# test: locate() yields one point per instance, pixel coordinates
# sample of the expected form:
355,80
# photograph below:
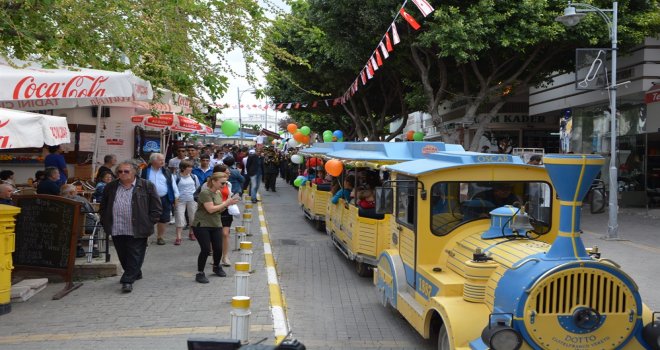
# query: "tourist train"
480,251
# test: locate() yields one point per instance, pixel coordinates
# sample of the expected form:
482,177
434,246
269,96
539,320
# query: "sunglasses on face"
123,171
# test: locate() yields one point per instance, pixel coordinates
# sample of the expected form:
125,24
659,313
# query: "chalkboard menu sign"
47,231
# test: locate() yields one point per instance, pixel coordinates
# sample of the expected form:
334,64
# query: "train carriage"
485,253
360,234
312,197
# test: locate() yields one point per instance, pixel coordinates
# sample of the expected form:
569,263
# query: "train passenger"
499,195
320,177
366,199
349,184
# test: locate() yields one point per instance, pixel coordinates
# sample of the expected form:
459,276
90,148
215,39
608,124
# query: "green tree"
484,51
334,40
176,44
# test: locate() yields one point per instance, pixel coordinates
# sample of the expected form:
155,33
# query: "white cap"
252,151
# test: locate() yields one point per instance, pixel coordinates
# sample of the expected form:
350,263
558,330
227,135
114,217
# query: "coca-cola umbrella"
29,86
171,122
20,129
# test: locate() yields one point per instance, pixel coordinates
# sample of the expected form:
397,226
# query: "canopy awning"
20,129
173,122
28,86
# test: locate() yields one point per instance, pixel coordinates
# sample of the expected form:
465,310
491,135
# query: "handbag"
233,210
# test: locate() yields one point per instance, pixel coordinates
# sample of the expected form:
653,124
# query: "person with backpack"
188,185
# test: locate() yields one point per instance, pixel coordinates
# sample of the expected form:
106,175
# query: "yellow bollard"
247,220
242,277
240,318
246,253
239,237
7,245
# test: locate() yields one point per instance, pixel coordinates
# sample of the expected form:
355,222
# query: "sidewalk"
638,251
165,308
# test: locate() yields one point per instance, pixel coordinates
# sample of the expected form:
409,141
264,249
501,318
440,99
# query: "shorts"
167,209
226,218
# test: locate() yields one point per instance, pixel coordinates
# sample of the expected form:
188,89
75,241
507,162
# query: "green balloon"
418,136
305,130
229,127
327,137
297,182
327,132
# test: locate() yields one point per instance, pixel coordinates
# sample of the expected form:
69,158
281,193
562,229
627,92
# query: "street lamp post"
571,17
240,120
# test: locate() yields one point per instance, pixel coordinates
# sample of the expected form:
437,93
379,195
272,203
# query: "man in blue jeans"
255,170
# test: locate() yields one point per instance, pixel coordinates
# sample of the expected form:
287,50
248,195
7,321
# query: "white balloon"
292,143
297,158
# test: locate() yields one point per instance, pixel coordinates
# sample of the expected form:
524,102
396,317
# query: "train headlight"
651,333
501,337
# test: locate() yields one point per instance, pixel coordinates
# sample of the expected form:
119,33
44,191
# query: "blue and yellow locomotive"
486,254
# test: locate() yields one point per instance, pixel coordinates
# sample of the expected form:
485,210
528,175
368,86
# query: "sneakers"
219,271
160,241
191,237
177,241
226,261
201,278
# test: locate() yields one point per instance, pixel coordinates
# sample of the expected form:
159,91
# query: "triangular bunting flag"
373,63
409,19
355,86
288,106
424,7
370,71
280,106
388,42
383,50
378,59
363,75
315,103
296,106
395,34
304,105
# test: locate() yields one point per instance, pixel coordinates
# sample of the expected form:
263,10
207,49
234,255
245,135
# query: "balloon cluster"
336,136
229,127
299,181
299,135
414,135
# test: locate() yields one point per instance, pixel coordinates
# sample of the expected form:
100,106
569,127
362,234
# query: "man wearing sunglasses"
173,164
129,209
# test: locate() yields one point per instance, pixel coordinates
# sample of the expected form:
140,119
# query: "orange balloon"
298,136
409,135
305,139
334,167
292,128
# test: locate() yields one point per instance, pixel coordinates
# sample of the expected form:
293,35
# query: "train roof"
442,160
321,148
388,151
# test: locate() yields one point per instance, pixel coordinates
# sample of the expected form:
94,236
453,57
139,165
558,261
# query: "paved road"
329,305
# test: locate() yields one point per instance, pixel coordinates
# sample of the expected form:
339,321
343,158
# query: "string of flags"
381,52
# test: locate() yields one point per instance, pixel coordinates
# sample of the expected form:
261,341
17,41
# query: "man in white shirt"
174,162
168,192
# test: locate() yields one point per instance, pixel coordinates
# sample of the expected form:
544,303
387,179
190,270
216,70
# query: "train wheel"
443,339
362,269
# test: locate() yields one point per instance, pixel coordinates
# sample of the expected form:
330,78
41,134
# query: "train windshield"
455,203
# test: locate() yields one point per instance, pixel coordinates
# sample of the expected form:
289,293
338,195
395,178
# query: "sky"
235,59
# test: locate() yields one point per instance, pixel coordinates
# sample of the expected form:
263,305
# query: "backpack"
198,187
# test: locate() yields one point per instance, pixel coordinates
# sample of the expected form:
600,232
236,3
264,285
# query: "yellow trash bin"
7,234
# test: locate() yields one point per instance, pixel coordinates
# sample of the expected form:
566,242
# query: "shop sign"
653,95
519,118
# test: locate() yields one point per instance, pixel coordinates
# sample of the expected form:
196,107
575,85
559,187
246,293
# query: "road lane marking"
277,304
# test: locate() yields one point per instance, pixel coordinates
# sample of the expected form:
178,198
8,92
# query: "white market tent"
20,129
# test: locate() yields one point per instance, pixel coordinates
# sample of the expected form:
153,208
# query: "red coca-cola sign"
653,95
79,86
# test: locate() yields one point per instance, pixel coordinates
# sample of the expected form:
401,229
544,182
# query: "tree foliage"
176,44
